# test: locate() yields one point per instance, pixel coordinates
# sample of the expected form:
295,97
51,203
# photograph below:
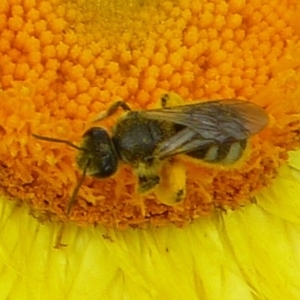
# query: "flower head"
63,63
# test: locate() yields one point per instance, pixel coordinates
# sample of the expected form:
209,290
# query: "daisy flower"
235,235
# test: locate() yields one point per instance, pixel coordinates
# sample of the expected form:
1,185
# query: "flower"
61,64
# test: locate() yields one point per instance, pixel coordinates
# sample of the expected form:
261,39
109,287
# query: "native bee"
213,131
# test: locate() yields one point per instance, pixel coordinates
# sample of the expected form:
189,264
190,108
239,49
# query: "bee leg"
172,188
147,183
112,109
170,99
164,100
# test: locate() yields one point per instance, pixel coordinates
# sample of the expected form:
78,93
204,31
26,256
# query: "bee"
213,131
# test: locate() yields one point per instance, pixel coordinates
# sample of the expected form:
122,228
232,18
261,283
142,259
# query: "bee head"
98,155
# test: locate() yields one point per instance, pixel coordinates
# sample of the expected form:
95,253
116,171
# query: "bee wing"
184,141
217,121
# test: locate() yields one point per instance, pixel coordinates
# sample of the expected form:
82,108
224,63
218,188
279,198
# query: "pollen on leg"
172,188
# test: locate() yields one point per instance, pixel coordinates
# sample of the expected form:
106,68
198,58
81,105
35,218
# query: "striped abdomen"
225,153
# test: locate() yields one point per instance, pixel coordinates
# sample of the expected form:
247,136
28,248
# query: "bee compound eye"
101,152
96,133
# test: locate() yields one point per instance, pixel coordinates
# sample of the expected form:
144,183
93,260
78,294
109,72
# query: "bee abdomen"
225,153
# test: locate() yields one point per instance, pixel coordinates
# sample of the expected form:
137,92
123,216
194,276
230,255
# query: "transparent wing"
184,141
207,123
219,121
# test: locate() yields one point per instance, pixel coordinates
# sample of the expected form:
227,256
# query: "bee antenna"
49,139
77,188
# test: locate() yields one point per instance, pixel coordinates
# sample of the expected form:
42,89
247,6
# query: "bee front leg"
112,109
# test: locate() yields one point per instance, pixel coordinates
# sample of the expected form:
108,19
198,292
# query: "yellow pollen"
64,62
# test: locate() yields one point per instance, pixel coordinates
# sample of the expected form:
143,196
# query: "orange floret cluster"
63,62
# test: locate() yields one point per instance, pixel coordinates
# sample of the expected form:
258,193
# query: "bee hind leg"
112,109
164,100
172,188
147,183
170,99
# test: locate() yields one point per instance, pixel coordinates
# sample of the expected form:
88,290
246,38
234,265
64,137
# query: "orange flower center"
62,63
